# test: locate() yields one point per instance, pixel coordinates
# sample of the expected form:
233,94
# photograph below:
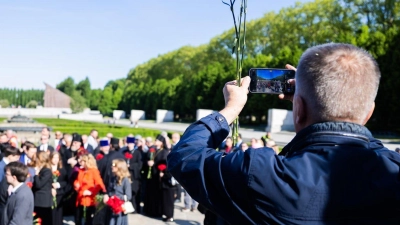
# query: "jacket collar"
326,133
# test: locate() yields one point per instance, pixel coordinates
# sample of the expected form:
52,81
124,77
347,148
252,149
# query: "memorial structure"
54,98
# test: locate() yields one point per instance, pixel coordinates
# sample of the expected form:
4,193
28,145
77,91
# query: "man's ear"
299,113
369,114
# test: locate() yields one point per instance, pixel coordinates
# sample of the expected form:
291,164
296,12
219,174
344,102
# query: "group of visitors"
82,175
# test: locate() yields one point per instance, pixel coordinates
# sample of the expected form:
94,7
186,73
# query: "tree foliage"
20,97
4,103
190,78
32,104
67,86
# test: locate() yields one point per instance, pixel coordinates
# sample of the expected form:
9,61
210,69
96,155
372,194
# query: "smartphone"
271,81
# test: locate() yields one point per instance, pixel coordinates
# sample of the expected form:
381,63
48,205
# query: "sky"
48,41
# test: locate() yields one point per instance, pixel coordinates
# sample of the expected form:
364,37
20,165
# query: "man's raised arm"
215,180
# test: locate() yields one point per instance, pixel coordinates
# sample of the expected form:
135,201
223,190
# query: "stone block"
119,114
137,115
200,113
280,120
164,116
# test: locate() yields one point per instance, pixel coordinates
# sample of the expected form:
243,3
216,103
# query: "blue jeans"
189,201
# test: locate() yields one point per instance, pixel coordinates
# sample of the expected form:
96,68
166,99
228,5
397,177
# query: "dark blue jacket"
333,172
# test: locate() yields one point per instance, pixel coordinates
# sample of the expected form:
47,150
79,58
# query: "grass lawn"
72,126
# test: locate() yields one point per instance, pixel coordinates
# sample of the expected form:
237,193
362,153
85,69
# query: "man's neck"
16,184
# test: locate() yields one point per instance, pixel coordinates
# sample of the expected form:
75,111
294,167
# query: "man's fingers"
246,82
290,67
292,81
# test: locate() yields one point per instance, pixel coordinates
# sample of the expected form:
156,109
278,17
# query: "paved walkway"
181,218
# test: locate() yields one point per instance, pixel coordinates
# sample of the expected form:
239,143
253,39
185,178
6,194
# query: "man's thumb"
245,82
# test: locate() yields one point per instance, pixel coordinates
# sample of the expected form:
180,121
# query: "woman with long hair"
60,186
120,186
87,184
42,184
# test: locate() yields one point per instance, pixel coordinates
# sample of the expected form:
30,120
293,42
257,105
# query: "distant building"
54,98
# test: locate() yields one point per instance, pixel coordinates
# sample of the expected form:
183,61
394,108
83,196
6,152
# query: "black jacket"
135,165
65,186
42,185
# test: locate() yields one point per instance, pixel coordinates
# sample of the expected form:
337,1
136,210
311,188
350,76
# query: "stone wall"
39,112
280,120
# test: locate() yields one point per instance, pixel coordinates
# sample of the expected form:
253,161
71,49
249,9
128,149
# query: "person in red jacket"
88,184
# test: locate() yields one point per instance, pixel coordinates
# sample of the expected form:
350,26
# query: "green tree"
4,103
32,104
94,99
84,88
106,101
78,103
67,86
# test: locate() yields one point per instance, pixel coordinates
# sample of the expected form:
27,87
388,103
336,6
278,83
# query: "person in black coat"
42,184
60,187
134,161
160,191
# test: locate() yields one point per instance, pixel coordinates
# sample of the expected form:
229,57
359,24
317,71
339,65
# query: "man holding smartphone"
333,171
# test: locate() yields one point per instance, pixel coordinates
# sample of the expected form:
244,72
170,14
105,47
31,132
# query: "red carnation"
162,167
128,155
29,184
152,150
115,204
99,156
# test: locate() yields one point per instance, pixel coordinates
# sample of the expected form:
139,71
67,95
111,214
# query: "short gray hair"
338,81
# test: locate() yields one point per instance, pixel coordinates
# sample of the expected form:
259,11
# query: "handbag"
128,207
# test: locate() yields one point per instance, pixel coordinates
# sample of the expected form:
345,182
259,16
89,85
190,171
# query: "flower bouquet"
56,174
29,184
151,151
99,156
99,202
128,156
36,221
162,167
115,204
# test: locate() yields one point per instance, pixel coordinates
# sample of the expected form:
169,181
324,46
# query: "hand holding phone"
292,81
272,81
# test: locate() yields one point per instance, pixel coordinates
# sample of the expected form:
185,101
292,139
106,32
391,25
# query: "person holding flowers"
153,203
118,191
42,184
87,185
60,185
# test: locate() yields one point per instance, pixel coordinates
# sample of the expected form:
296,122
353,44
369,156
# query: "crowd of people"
80,175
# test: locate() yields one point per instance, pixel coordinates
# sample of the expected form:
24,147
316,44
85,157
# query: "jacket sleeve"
215,180
136,164
62,180
98,183
43,179
127,189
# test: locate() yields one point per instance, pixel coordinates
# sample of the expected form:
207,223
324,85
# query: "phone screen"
271,81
